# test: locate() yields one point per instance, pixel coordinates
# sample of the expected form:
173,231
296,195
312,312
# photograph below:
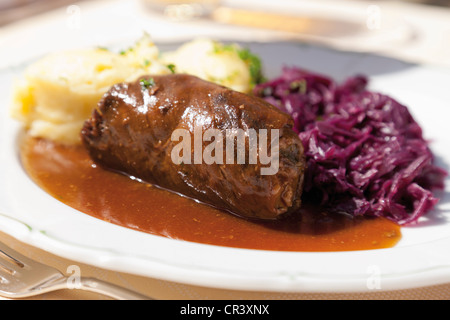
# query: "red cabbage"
366,155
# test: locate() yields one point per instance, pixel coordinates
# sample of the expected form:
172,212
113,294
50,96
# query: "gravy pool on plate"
68,174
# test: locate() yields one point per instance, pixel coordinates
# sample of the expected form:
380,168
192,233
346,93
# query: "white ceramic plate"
421,258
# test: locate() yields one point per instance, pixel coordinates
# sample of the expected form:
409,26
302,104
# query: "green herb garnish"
251,60
171,67
147,83
254,65
299,85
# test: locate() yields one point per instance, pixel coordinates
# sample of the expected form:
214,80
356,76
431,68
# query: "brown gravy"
69,175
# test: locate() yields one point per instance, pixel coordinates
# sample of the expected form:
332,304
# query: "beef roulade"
224,148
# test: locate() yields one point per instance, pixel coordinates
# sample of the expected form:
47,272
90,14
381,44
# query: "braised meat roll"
220,147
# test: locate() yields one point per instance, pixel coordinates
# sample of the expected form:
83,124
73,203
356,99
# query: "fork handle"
109,289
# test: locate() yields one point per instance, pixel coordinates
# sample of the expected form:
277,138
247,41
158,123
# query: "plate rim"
288,280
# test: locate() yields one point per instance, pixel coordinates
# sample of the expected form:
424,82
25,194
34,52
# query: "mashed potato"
228,65
58,93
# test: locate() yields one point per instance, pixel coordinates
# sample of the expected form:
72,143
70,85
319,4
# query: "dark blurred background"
14,10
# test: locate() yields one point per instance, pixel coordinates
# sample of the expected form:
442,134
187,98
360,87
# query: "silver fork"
22,277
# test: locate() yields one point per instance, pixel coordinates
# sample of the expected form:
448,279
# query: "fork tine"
24,277
8,267
14,257
9,264
21,276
